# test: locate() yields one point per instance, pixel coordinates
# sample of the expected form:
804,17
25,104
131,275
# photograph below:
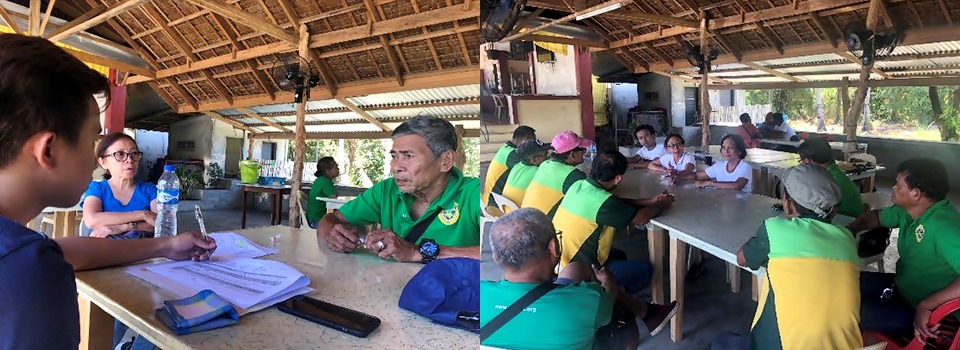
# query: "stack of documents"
233,273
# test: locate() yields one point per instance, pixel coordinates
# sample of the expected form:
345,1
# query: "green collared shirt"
457,224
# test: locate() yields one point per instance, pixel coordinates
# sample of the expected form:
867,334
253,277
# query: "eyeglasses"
121,156
674,145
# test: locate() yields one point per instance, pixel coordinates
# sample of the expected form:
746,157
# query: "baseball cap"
531,147
568,140
812,187
443,289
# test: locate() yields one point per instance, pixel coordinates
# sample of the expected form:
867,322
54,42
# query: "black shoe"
658,315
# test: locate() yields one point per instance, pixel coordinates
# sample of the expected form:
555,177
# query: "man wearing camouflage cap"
810,298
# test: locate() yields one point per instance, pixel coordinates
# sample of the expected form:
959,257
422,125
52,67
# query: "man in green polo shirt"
505,159
817,151
426,193
532,153
928,271
556,175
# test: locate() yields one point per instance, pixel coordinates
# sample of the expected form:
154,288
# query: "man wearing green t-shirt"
817,151
928,271
525,245
505,158
427,210
327,170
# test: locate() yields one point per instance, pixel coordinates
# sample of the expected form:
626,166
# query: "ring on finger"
381,246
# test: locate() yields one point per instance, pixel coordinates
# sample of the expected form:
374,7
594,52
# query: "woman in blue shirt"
118,204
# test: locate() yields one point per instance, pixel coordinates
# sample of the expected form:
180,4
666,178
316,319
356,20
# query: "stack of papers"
234,274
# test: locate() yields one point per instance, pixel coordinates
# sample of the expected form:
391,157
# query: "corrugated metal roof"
423,96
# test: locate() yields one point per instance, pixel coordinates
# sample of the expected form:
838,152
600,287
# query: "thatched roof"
766,41
210,55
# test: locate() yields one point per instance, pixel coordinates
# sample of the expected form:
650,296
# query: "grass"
879,130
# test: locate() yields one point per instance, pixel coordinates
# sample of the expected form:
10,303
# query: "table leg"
276,208
678,270
656,238
733,273
61,224
243,208
870,183
96,326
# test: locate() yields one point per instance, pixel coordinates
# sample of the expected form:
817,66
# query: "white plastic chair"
505,205
875,201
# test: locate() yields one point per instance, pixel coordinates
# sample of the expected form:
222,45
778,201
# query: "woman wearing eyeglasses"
118,204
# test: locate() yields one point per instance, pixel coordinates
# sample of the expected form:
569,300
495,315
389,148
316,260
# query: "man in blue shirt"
49,123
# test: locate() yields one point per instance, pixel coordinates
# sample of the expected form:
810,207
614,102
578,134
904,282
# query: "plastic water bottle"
168,197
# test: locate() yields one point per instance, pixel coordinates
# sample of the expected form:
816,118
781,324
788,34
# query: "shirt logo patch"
450,216
919,233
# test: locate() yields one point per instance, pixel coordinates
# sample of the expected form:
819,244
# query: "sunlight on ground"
880,130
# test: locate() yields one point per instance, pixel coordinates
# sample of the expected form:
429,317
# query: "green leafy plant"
190,182
215,172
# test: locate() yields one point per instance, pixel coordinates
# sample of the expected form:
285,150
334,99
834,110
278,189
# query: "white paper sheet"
249,284
232,245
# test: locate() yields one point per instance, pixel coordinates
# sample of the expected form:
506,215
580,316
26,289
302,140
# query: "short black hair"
323,165
778,116
672,135
608,165
927,175
816,149
524,132
745,118
646,127
738,141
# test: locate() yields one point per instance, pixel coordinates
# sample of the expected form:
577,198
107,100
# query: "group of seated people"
774,127
558,247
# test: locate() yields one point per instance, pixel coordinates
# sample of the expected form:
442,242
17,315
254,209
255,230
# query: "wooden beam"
705,108
567,18
233,123
827,32
526,20
564,40
637,16
46,17
191,101
657,52
33,21
85,17
771,71
363,121
417,81
729,46
103,61
329,14
363,135
370,108
423,19
329,80
363,114
245,18
262,79
856,60
927,81
8,19
394,62
96,18
772,39
163,94
254,115
946,12
850,116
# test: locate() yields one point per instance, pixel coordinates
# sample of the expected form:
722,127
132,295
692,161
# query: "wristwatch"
133,226
429,249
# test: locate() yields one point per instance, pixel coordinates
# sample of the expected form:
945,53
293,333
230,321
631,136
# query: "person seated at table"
505,158
327,171
748,132
588,217
731,173
768,129
47,158
119,204
809,297
557,174
526,247
928,271
532,153
427,210
676,162
779,124
650,151
816,150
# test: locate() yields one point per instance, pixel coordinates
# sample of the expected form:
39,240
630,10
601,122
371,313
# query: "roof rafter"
363,114
252,114
231,122
772,71
247,19
5,15
90,19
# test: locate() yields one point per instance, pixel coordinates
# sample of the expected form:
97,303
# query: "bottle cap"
169,167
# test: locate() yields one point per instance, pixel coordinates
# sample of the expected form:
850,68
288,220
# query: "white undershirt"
718,172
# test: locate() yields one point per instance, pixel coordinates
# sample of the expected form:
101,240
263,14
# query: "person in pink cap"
557,174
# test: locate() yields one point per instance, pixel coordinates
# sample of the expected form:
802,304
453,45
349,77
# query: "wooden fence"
731,114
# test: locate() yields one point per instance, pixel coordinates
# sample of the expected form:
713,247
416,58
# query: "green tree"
471,147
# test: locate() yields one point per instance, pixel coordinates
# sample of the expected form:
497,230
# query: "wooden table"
360,281
836,145
277,192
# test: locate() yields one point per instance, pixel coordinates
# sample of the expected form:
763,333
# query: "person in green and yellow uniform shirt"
817,151
505,158
532,153
426,190
556,175
327,171
928,271
810,297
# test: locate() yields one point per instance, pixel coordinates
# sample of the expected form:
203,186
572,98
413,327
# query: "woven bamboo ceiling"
759,39
205,55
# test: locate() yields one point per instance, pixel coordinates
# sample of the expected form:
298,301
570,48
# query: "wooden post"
850,118
461,158
704,82
844,92
301,134
249,145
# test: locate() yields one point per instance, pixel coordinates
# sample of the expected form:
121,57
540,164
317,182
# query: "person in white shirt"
676,163
650,150
788,133
731,173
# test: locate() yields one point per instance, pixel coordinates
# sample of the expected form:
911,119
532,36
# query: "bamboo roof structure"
217,57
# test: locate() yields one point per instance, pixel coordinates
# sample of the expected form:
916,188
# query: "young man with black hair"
928,271
817,151
650,150
505,158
